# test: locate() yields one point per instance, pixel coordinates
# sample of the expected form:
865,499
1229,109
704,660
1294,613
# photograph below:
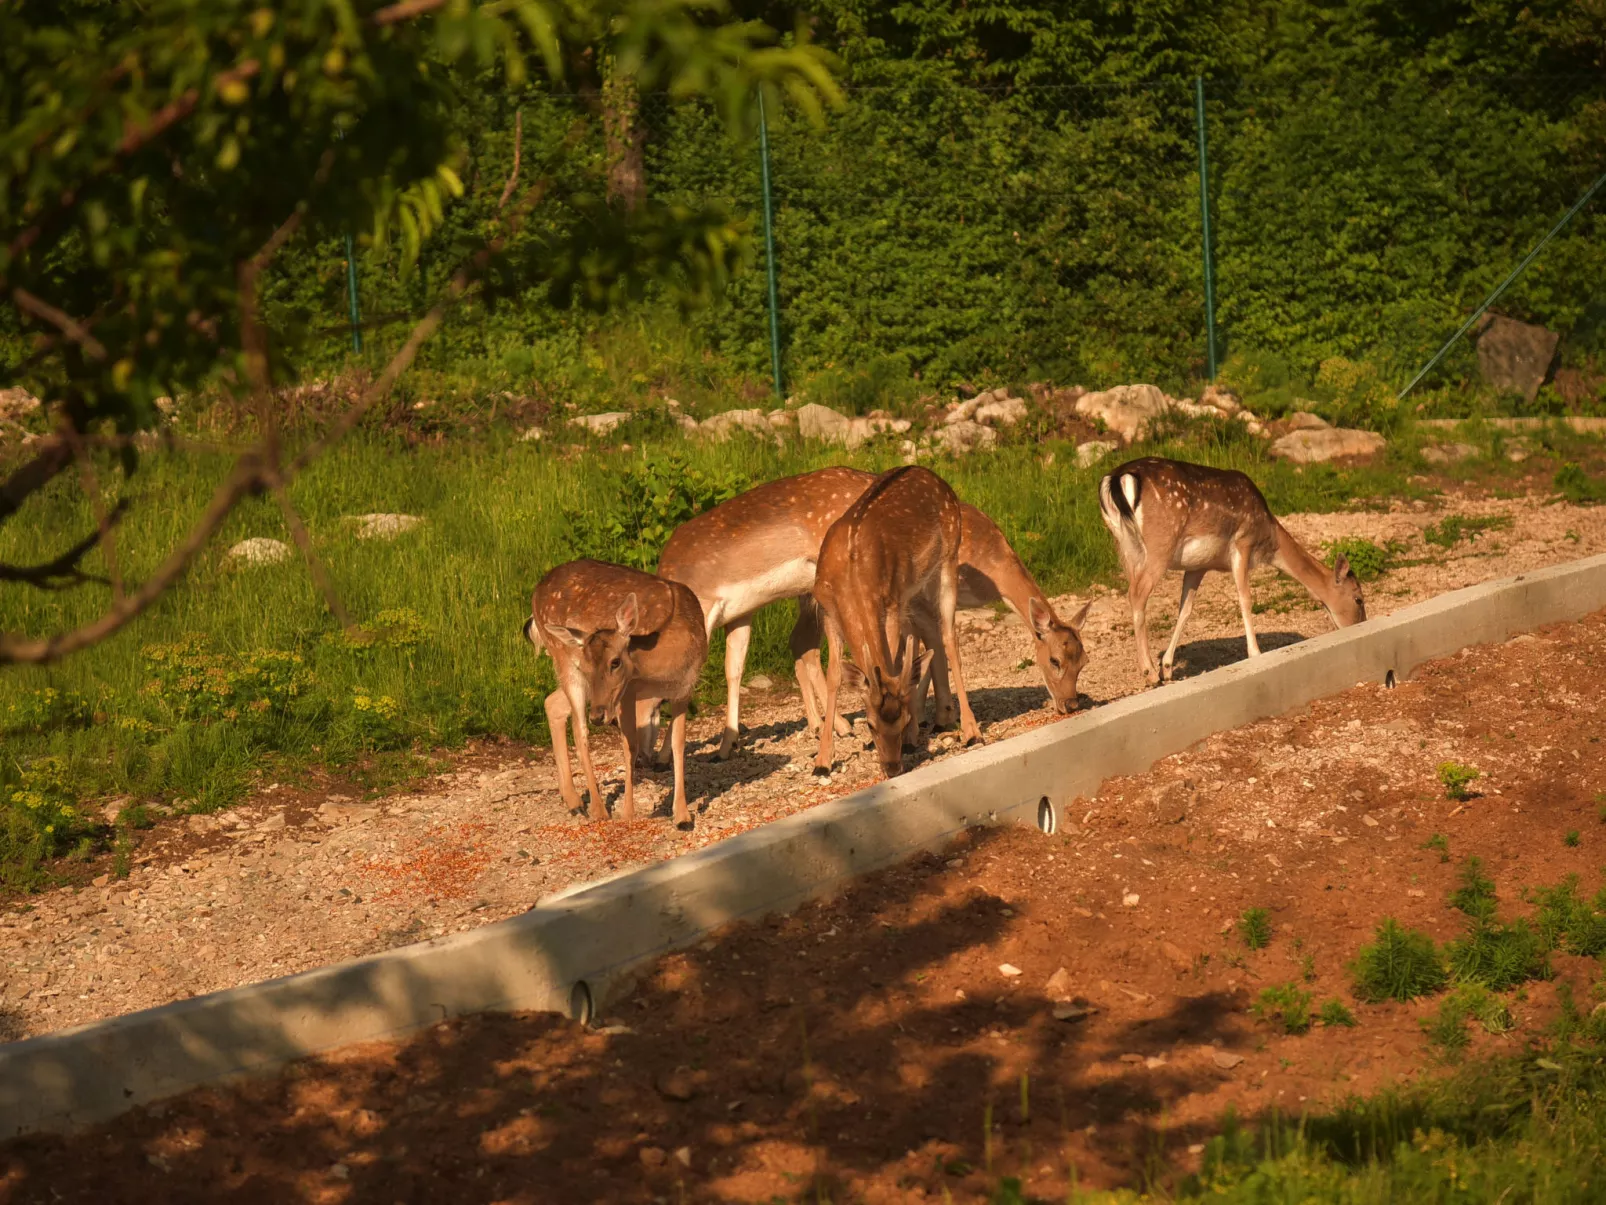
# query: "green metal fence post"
1204,218
769,249
1504,285
352,309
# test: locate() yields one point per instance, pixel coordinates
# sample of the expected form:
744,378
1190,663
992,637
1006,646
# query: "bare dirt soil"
300,878
1044,1007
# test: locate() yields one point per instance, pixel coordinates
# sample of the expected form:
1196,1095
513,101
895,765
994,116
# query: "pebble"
1008,970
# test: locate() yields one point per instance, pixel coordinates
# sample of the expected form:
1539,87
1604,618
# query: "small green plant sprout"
1447,1028
1307,968
1286,1007
1254,926
1449,532
1336,1014
1577,486
1369,560
1399,964
1475,893
1566,921
1457,777
1570,840
1441,843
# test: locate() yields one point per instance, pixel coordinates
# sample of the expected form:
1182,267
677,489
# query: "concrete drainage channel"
574,950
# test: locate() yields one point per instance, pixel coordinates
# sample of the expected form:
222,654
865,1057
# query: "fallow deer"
1168,514
886,568
615,634
990,571
755,549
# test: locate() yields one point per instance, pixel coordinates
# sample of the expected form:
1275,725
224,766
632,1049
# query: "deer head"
1059,650
889,701
603,658
1346,604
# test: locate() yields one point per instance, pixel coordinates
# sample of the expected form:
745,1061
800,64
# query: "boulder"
962,438
259,550
1001,412
1515,357
1127,410
820,422
781,420
601,424
1093,451
382,527
722,426
1304,420
1326,443
1448,453
1223,400
823,423
531,435
17,402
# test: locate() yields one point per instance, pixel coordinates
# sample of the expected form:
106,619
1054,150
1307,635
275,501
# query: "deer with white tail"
616,635
1169,514
888,574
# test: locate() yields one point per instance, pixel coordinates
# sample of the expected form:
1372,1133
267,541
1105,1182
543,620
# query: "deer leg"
627,730
737,635
677,729
805,643
947,606
1190,584
582,747
1246,600
557,721
646,729
928,626
1141,585
833,683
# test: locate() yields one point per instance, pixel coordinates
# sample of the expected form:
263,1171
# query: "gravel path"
290,881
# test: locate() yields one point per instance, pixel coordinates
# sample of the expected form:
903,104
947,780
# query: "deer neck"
1305,569
1014,584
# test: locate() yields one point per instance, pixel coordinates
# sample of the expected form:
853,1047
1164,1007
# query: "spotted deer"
754,549
1169,514
990,571
616,634
888,575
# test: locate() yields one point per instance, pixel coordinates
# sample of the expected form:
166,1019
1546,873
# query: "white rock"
532,435
601,424
1220,399
760,682
1304,420
16,402
722,426
1093,451
815,421
259,550
964,437
1008,970
1448,453
1127,410
1130,899
1328,443
1001,412
782,420
382,527
686,423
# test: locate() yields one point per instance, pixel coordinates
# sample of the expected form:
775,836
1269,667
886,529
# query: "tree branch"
518,147
315,567
89,482
65,566
63,322
33,476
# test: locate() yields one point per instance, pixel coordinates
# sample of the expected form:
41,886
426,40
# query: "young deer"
615,634
1168,514
755,549
889,572
989,571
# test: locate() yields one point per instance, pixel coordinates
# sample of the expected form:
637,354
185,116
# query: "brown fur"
1195,518
887,568
615,634
734,556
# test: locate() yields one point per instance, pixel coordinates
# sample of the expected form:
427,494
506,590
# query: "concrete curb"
1581,425
581,946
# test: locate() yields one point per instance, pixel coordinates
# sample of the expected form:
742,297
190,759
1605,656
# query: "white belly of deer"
743,597
1202,552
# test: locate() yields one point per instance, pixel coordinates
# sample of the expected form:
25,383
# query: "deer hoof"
822,771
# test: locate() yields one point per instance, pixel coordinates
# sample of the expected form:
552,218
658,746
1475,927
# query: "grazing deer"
990,571
889,572
754,549
1168,514
615,634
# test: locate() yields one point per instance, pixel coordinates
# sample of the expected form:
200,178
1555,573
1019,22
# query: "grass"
1439,842
1286,1006
1254,927
1399,964
1335,1013
1450,531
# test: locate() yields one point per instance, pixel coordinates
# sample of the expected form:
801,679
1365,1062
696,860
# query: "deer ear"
852,674
1041,617
1340,568
629,614
572,637
1080,617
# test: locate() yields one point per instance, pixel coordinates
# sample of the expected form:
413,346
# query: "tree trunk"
621,125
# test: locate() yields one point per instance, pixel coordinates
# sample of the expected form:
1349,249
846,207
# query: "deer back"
1172,504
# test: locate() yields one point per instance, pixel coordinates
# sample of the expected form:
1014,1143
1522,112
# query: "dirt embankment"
295,880
1020,1005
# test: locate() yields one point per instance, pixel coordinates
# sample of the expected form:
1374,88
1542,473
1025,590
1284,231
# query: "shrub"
1286,1006
1577,486
1254,926
1570,840
1457,777
1496,956
1335,1013
39,818
376,721
191,682
1566,922
1400,964
1369,559
44,709
647,501
1447,1028
396,628
1362,397
1475,896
